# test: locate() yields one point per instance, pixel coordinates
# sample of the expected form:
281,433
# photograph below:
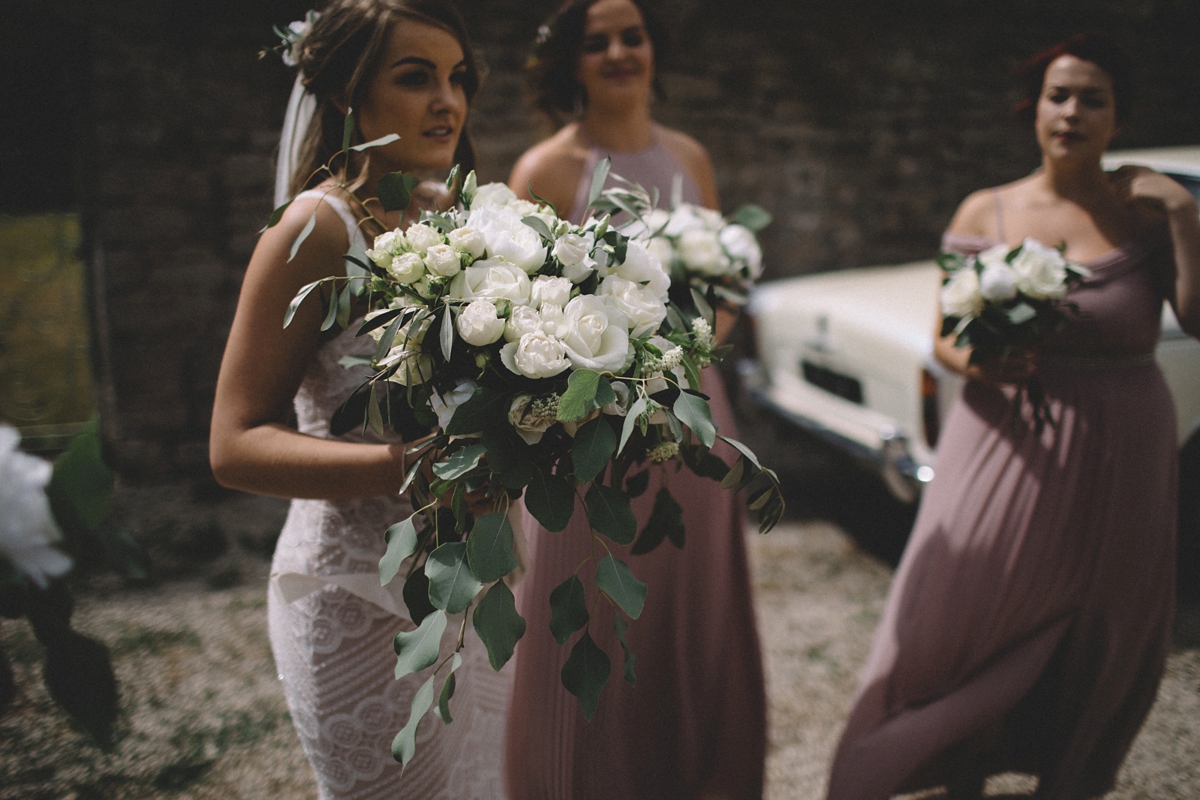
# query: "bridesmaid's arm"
552,170
251,447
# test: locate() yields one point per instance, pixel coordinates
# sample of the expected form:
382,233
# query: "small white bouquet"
1004,300
544,357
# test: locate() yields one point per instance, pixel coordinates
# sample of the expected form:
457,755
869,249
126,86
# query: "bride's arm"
251,446
1183,219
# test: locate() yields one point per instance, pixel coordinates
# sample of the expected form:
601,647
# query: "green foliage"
443,706
615,579
404,746
539,225
81,482
299,240
636,485
666,522
380,142
395,190
550,499
276,215
586,390
486,408
402,542
568,609
452,585
595,444
752,216
490,548
585,673
498,624
460,463
599,176
610,513
418,649
630,665
631,421
694,412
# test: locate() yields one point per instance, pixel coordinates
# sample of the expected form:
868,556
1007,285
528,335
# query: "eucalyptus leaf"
485,409
703,308
636,485
416,597
568,609
490,547
743,449
615,579
694,412
666,521
343,307
384,345
460,463
347,130
299,240
418,649
539,225
452,585
550,499
585,673
752,216
81,481
443,706
395,190
630,666
402,542
331,313
276,215
599,176
580,397
380,142
304,292
404,746
374,417
498,624
631,420
594,445
378,321
446,332
610,514
733,478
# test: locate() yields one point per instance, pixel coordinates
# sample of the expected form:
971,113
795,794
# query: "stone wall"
859,124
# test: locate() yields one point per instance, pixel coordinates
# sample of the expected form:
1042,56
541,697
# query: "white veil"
300,110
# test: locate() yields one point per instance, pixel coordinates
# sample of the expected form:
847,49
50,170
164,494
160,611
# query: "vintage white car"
848,357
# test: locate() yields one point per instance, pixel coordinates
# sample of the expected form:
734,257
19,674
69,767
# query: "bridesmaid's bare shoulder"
553,168
692,156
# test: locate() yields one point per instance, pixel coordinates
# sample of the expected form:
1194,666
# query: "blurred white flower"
701,251
997,281
478,323
960,295
27,529
492,194
642,307
742,245
508,237
641,268
1041,271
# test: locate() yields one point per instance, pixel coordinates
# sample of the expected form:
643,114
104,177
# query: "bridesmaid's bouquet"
1005,300
548,362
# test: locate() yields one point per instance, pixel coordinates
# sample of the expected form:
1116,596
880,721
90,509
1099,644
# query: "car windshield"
1190,182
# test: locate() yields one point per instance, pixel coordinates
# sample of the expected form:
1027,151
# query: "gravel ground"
203,716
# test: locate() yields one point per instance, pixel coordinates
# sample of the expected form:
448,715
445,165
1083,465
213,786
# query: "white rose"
998,280
700,251
467,240
552,291
444,405
661,249
508,237
595,335
687,217
27,529
652,223
386,246
416,366
535,355
552,320
1041,271
492,194
645,270
573,250
493,279
478,323
620,406
406,268
960,295
529,426
741,245
422,237
442,259
642,307
522,320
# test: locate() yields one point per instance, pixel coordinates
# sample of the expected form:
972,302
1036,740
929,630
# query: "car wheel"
1188,564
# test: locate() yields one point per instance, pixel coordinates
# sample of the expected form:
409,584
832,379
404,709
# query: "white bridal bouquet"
549,363
1008,299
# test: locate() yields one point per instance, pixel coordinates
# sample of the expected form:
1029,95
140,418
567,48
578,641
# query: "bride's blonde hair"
337,58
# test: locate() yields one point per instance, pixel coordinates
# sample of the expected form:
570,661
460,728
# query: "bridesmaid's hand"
1142,185
1013,367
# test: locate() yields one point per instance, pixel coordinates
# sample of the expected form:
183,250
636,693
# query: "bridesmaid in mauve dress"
1029,621
694,726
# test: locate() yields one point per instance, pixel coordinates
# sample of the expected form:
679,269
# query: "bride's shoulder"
310,219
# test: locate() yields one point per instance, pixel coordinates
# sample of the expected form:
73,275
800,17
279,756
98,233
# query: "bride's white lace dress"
331,627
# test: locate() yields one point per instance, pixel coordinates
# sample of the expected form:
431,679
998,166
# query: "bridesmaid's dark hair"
337,60
1097,48
550,70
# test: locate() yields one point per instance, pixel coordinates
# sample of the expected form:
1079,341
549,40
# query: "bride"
402,67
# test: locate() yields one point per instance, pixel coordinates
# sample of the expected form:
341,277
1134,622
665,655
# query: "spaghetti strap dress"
331,626
1030,616
695,721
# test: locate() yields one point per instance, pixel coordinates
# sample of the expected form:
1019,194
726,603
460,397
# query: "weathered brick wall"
859,124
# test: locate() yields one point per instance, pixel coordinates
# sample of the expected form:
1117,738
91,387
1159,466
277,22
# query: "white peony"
422,237
444,405
442,259
550,291
998,280
406,268
386,247
741,245
644,309
522,320
508,237
535,355
644,270
27,529
960,295
494,279
595,335
478,323
467,240
529,425
492,194
1041,271
701,251
416,366
552,320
